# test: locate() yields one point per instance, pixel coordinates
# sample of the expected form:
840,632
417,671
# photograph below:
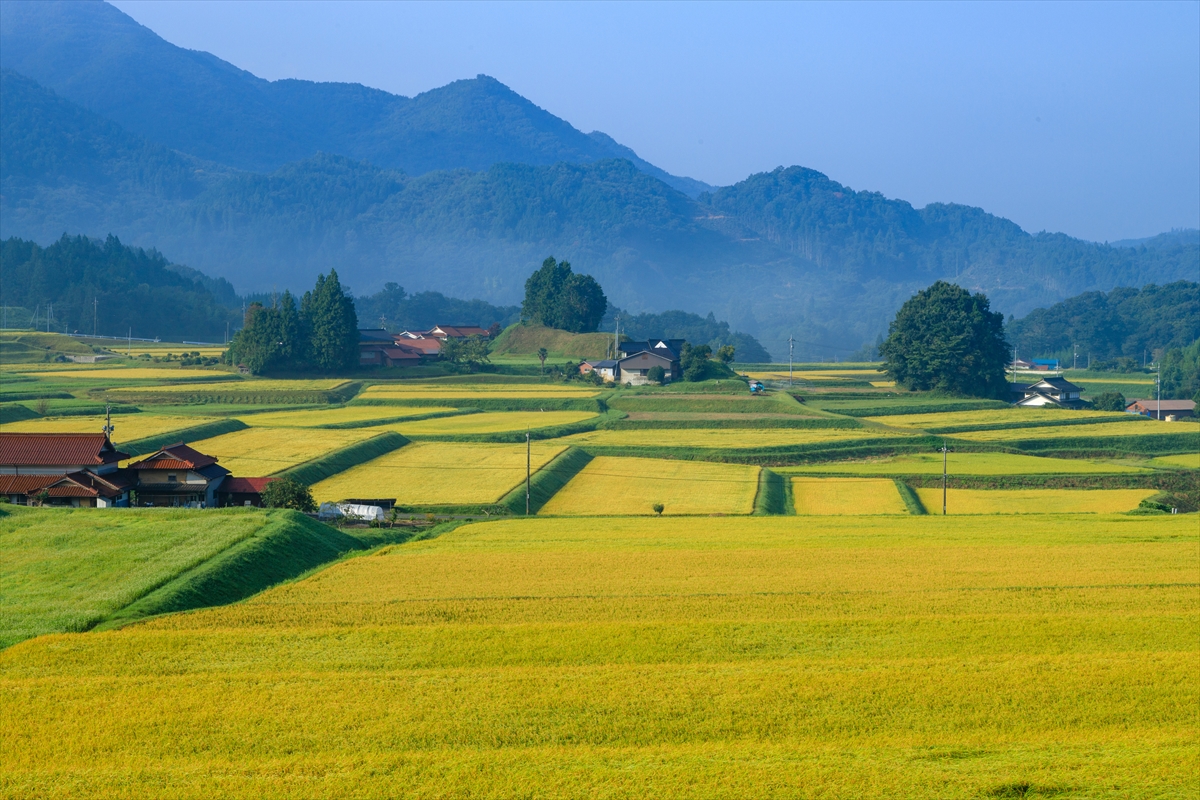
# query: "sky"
1082,118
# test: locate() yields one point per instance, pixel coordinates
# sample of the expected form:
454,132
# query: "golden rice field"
128,426
727,438
437,473
817,375
1080,431
1033,501
847,496
490,422
1191,460
965,464
624,486
116,372
499,391
997,416
256,452
718,658
314,417
246,386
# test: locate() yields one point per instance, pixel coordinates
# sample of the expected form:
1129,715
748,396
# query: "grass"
1033,501
740,403
965,464
847,496
524,340
631,486
438,474
324,417
329,464
741,657
495,391
490,422
266,451
1189,460
728,438
119,372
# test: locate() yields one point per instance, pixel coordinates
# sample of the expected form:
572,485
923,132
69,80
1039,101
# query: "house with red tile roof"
177,475
75,469
242,491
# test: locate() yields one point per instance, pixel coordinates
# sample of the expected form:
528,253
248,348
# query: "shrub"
1109,401
288,493
656,375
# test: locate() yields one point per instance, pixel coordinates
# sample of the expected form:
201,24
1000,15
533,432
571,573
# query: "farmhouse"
636,359
242,491
1058,392
75,469
177,475
605,368
378,348
1163,409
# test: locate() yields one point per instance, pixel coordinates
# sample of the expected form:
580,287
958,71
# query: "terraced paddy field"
967,464
1003,416
105,372
495,391
128,426
249,386
738,657
1189,460
490,422
258,452
729,438
1033,501
846,496
317,417
632,486
436,474
1105,429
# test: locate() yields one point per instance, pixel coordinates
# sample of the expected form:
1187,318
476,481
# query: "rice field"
1148,427
316,417
632,486
1033,501
966,464
245,386
996,416
256,452
128,427
846,496
1190,460
498,391
490,422
727,438
115,372
436,473
738,657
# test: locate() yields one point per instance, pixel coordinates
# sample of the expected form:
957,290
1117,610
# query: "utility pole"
49,315
944,461
95,316
1158,387
129,345
616,336
1075,359
528,451
791,350
108,426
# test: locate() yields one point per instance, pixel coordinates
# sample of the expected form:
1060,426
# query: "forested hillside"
1124,325
123,290
465,189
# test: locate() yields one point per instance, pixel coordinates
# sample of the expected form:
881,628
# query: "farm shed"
605,368
1169,408
242,491
177,475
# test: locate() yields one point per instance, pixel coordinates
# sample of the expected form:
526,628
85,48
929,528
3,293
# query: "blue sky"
1074,117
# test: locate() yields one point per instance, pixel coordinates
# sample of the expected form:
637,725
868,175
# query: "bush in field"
656,375
698,365
947,339
1109,401
288,493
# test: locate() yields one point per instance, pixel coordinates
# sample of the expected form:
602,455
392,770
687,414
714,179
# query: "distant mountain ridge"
94,55
783,252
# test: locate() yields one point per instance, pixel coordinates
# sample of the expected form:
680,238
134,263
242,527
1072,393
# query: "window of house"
172,477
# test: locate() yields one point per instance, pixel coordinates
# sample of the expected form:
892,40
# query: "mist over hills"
106,128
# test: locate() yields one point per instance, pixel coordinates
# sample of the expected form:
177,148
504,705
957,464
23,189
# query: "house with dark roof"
75,469
1163,409
177,475
242,491
378,348
636,359
1057,392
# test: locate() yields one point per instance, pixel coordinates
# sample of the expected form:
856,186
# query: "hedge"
319,469
151,444
911,501
547,481
773,496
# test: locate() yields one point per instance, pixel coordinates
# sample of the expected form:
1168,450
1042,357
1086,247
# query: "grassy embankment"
782,656
74,570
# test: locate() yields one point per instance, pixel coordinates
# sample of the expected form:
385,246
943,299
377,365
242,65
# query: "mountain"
466,189
92,54
1174,238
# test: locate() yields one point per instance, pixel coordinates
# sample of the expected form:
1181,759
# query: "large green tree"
271,338
947,339
328,311
558,298
1181,372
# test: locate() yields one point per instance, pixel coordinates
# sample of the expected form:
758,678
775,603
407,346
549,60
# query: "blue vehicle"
756,387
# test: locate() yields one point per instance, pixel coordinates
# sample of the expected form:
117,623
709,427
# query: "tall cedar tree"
271,338
332,323
947,339
558,298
